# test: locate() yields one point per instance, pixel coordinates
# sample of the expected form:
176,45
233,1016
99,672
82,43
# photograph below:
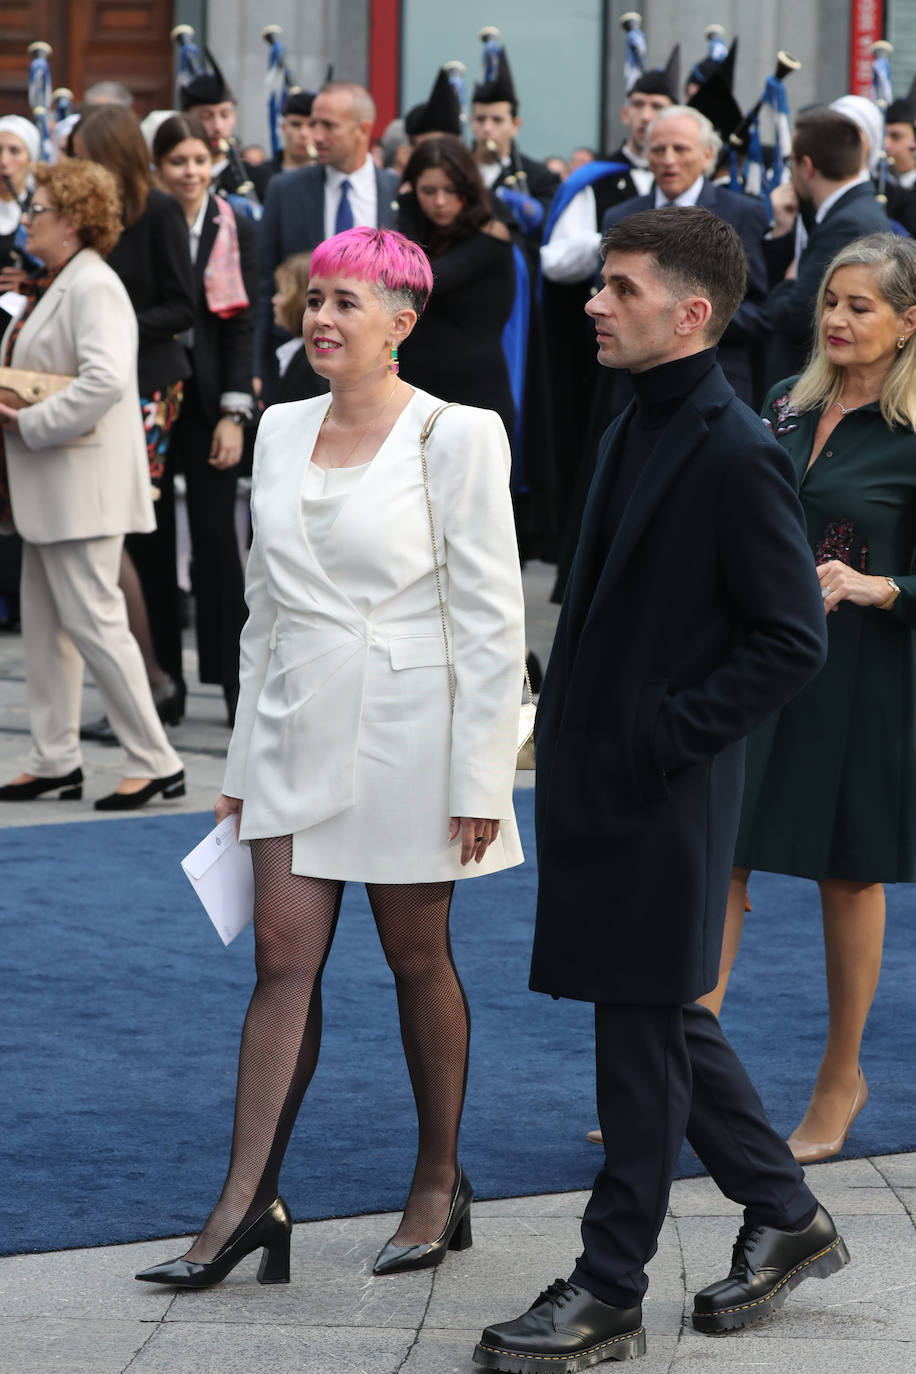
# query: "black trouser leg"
729,1129
154,557
664,1072
217,578
643,1073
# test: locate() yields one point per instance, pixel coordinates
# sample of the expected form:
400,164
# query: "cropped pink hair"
399,268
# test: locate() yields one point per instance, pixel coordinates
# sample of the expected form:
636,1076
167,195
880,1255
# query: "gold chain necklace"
363,432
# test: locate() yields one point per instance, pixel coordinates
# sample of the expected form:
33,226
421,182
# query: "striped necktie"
344,209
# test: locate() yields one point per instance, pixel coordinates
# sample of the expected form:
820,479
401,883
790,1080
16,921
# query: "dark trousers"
154,557
216,571
663,1073
216,574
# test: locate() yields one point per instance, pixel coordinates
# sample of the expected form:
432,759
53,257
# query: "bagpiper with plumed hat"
202,90
527,185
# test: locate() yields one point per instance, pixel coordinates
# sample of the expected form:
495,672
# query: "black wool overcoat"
704,617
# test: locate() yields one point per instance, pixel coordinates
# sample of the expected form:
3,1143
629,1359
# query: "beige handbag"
527,710
30,386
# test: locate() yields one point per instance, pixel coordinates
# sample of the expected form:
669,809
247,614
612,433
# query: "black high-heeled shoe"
272,1230
129,801
397,1259
71,788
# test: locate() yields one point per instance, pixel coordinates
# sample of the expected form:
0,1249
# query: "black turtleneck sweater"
659,393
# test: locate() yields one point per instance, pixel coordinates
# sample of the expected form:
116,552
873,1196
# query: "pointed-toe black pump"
271,1230
399,1259
70,787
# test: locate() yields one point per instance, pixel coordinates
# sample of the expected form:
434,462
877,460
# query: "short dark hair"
695,253
833,143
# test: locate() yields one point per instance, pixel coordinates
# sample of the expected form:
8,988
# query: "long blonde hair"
892,261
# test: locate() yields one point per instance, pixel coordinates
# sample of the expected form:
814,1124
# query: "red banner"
867,27
385,60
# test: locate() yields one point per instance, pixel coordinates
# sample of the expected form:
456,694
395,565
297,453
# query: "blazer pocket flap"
417,651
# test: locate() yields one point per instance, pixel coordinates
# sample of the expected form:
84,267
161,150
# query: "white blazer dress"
344,734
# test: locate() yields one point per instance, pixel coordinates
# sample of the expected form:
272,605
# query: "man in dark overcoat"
693,611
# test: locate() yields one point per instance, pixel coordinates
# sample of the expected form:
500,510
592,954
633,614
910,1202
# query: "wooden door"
93,40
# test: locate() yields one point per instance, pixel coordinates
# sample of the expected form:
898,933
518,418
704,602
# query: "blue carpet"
120,1014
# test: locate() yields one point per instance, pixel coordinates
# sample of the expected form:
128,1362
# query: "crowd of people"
397,340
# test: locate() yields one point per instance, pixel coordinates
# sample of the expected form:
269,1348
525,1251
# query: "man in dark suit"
693,611
303,208
834,199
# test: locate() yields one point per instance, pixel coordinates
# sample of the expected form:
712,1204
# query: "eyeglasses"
34,210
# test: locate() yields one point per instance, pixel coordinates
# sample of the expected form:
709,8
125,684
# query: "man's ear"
693,314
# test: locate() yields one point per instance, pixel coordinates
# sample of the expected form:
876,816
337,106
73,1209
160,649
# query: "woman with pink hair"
376,733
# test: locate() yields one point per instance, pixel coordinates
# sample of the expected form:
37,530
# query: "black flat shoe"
71,788
99,731
564,1330
131,801
272,1230
398,1259
766,1265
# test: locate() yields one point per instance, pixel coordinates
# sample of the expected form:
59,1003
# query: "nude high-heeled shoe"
810,1152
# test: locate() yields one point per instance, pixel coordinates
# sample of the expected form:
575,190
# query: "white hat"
25,131
866,114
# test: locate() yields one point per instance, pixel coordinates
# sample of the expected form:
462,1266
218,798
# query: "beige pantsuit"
73,613
79,481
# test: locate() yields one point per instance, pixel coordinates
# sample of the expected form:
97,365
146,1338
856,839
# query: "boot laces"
561,1291
748,1234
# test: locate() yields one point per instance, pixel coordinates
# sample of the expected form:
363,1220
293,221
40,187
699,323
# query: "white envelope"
220,872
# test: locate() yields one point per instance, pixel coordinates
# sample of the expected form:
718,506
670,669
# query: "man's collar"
828,202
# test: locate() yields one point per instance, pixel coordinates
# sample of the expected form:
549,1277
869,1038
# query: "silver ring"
826,592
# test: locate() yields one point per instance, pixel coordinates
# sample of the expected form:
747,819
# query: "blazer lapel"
47,306
207,239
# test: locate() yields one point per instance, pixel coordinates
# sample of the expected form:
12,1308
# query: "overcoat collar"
678,441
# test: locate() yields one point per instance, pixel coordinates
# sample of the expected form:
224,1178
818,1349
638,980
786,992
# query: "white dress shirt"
363,196
572,253
688,197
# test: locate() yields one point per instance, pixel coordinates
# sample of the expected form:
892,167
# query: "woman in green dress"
831,779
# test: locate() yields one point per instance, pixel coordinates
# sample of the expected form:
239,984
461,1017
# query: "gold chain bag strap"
527,710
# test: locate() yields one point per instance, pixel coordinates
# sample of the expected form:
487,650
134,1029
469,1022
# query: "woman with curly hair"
151,258
78,482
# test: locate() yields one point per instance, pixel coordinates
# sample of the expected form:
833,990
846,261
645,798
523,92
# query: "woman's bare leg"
853,916
731,938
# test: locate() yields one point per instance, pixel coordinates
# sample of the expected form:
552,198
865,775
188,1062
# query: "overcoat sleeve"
485,607
254,655
105,347
770,577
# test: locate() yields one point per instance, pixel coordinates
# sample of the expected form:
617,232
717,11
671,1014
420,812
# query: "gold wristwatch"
888,605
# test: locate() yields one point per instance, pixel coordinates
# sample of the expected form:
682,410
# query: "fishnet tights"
294,922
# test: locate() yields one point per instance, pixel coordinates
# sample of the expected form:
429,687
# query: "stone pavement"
80,1311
